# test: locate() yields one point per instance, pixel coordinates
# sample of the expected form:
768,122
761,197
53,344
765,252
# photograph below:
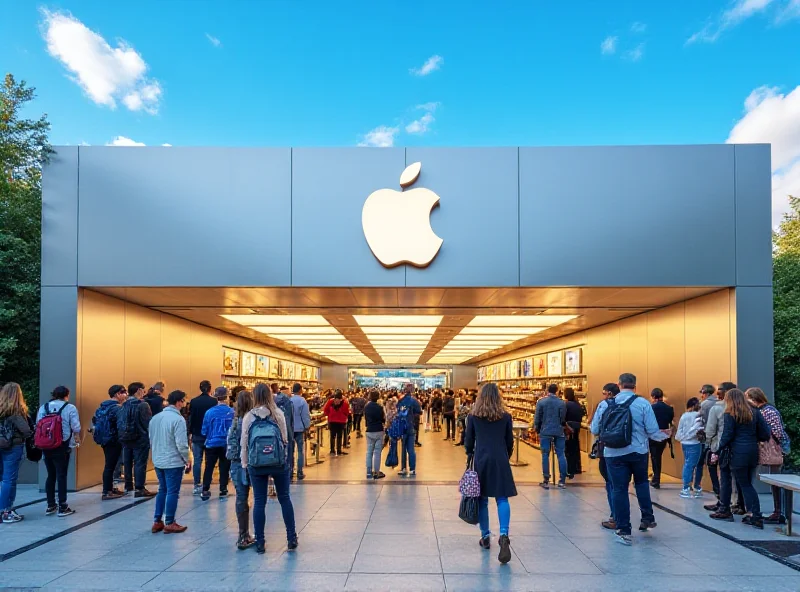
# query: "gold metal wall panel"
176,355
709,351
142,345
102,364
633,349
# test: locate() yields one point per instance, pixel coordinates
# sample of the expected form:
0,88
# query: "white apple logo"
397,224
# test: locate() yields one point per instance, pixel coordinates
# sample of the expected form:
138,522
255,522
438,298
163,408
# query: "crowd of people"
256,439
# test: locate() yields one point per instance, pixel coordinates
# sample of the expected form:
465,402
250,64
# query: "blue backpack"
265,446
105,432
399,425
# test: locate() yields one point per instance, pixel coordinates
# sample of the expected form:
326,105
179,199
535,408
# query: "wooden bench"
789,484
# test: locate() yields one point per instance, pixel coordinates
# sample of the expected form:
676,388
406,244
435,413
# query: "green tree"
786,287
24,148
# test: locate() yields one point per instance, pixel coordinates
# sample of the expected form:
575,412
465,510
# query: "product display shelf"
249,382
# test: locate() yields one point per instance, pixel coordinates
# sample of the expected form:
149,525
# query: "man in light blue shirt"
302,422
632,460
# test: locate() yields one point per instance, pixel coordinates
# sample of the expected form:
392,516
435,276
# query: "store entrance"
358,339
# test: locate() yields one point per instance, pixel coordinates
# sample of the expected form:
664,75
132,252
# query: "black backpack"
616,425
127,429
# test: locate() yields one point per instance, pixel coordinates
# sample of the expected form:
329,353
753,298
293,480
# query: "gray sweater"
551,413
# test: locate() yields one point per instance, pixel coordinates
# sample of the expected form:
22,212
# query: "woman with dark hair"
744,429
772,416
244,403
337,411
57,460
688,428
572,447
14,430
489,442
266,411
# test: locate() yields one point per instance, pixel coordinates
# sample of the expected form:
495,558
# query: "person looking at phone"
171,459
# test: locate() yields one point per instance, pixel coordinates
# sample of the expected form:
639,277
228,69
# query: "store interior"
326,338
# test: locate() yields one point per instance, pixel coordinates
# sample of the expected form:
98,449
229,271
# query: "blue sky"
327,73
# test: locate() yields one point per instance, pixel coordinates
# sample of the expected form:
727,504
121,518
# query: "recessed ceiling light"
398,320
399,330
504,331
275,320
301,337
520,320
288,330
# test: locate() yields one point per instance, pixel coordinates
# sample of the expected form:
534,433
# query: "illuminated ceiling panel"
519,320
278,320
398,320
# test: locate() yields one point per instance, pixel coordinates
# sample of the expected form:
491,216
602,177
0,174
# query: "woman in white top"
691,423
265,408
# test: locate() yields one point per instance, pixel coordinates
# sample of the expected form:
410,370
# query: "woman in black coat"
744,428
489,440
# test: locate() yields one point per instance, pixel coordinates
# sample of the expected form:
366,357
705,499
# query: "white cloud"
609,45
737,12
432,64
123,141
635,54
382,137
421,125
432,106
772,117
106,74
638,27
213,40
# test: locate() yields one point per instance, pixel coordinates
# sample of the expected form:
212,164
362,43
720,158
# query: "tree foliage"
24,148
786,285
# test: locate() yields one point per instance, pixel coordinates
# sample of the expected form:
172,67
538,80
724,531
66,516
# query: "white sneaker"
403,473
698,493
11,517
686,493
624,539
412,474
198,489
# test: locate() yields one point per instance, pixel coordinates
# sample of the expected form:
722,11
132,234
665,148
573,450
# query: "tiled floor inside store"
385,536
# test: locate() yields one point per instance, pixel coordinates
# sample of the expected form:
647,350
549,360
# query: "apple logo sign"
387,211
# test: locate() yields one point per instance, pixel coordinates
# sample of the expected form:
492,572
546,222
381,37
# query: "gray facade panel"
753,215
754,339
60,218
627,216
59,350
476,217
329,188
184,216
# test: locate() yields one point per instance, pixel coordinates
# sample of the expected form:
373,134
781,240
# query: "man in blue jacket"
548,421
302,423
216,423
412,407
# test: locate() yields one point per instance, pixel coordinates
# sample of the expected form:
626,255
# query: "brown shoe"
174,528
157,527
111,496
609,524
144,492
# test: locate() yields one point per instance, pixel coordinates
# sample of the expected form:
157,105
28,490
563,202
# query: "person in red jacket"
337,410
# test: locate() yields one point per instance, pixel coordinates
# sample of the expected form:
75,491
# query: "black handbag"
724,460
468,510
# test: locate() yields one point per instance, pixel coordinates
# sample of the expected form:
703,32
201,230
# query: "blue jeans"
169,490
503,514
259,483
9,473
560,441
691,464
408,451
374,449
609,488
621,469
198,450
299,445
242,494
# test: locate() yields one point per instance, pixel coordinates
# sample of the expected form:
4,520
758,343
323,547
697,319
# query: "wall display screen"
540,366
248,364
572,361
230,361
262,366
527,368
555,364
273,368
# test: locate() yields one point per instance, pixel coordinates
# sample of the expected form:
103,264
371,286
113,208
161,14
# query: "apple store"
340,267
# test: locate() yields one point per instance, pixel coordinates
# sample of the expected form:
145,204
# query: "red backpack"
49,433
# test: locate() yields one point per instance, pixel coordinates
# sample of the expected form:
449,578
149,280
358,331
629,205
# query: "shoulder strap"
64,406
629,402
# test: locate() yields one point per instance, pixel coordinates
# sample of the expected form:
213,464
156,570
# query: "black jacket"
142,420
449,406
436,405
492,443
743,439
156,403
665,414
574,415
197,412
375,417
